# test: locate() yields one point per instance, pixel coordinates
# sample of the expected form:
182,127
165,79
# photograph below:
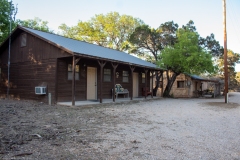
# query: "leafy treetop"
111,30
185,56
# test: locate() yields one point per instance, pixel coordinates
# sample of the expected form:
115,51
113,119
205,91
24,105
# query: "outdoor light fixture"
117,74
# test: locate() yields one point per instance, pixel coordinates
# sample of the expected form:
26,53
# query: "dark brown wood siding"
41,63
64,90
31,66
108,86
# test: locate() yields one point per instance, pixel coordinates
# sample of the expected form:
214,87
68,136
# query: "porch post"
146,71
56,81
162,83
152,84
114,65
132,69
102,64
73,81
74,62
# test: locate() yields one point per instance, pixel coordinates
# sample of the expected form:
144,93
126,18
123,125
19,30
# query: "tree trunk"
170,81
158,76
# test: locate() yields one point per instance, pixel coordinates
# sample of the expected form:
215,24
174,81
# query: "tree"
35,23
7,14
232,59
209,43
185,56
238,78
111,30
148,43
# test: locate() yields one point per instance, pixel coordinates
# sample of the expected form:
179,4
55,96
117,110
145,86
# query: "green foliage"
211,45
5,16
185,56
232,59
190,26
111,30
35,23
148,42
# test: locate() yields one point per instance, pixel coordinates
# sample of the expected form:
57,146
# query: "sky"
206,14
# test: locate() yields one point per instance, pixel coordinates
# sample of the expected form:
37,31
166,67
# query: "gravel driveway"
156,129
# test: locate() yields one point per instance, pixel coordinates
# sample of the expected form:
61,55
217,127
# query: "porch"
84,81
108,101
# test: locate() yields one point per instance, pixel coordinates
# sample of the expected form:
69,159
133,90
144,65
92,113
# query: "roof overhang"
121,62
18,30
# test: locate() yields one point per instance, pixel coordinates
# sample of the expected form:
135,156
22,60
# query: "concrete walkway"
106,101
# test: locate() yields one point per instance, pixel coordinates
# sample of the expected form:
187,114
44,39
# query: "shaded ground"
157,129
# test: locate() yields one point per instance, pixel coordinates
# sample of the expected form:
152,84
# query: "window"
70,72
143,77
125,76
23,40
107,75
180,84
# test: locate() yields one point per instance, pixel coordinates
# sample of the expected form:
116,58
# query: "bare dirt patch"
37,131
153,129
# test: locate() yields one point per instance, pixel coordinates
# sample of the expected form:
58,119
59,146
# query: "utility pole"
225,52
11,18
9,47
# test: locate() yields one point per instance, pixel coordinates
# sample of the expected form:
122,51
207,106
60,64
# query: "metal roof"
91,50
197,77
201,78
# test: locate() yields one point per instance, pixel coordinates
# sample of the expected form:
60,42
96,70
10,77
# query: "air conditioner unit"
40,90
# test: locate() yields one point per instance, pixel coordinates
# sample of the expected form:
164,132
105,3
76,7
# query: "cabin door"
91,83
135,84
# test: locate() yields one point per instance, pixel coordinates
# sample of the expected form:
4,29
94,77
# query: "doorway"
91,83
135,84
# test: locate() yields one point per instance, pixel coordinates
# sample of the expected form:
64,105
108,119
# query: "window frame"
77,72
23,40
125,76
143,77
180,84
107,75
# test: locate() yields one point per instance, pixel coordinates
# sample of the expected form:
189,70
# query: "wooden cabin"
44,64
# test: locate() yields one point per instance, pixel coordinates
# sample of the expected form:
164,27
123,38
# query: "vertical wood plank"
132,69
162,83
146,71
152,83
114,80
56,80
73,81
101,80
102,64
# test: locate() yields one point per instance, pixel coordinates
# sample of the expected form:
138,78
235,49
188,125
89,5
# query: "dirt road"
155,129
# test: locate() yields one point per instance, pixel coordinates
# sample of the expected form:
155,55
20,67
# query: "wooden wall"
40,63
64,86
31,66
